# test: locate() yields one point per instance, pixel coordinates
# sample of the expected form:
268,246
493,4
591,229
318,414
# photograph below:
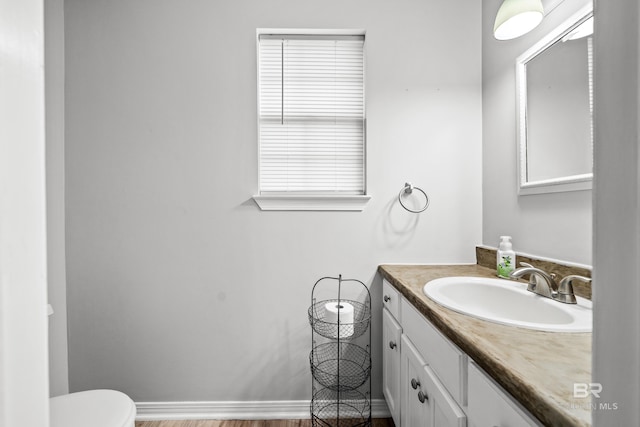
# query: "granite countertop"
538,368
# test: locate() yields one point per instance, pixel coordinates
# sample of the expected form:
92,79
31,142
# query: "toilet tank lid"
97,408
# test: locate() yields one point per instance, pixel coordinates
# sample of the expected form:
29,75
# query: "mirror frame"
554,185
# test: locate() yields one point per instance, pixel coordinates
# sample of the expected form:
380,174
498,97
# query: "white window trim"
296,202
307,202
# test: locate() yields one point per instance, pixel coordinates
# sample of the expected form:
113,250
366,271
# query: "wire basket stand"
340,357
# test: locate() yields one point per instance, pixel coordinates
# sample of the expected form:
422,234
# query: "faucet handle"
576,277
565,288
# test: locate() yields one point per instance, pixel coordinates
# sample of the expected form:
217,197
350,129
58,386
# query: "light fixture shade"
517,17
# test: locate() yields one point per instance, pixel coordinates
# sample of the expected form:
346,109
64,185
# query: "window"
311,121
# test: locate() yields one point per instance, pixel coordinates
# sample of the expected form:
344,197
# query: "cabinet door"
489,405
414,411
443,410
391,334
425,401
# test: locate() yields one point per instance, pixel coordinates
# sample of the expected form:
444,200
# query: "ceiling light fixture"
517,17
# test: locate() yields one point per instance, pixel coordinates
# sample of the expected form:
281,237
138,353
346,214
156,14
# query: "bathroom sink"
508,302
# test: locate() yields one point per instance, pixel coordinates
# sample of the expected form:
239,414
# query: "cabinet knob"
392,345
422,396
415,383
386,298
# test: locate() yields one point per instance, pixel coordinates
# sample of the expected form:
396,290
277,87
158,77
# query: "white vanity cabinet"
429,382
417,380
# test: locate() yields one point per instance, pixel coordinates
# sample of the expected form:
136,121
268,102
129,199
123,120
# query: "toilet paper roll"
343,327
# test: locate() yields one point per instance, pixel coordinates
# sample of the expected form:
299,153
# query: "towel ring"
408,189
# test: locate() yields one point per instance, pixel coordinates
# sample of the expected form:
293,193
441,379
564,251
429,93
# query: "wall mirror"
555,109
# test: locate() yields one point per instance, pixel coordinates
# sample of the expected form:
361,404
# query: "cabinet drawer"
490,405
447,360
391,299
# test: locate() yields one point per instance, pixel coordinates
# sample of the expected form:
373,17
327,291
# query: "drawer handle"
392,345
415,383
422,396
386,298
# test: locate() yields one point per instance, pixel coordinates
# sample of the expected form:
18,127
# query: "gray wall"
179,287
551,225
56,274
616,344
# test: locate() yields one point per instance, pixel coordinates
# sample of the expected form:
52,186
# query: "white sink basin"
508,302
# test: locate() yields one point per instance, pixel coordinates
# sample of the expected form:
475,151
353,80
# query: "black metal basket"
331,329
340,366
340,409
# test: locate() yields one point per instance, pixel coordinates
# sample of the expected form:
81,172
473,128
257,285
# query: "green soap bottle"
506,257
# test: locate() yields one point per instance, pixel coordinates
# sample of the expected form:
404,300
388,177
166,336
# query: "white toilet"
95,408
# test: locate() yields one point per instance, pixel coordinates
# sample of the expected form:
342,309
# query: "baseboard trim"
234,410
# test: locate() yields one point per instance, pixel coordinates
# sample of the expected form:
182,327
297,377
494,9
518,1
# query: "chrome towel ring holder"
408,189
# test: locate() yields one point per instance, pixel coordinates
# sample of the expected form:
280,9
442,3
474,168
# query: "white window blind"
311,114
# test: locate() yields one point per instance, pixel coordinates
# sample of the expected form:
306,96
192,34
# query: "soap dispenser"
506,257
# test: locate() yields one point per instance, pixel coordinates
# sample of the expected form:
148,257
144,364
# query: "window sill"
291,202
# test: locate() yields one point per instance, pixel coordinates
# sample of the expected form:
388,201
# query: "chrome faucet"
540,282
544,284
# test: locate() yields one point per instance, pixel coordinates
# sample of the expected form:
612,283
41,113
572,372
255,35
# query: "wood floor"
380,422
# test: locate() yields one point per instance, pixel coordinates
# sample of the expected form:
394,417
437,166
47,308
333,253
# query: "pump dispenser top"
505,243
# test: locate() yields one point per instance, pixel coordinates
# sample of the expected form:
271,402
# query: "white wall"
616,343
24,381
57,289
551,225
179,287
